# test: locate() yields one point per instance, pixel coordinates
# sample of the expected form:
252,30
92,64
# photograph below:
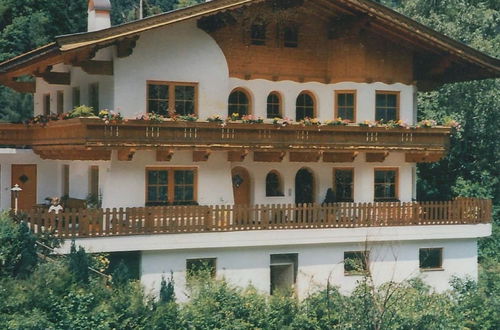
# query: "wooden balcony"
196,219
85,138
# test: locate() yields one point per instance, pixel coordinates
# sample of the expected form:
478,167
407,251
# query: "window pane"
163,92
162,108
163,193
381,102
391,100
162,177
152,177
152,194
350,99
153,106
152,91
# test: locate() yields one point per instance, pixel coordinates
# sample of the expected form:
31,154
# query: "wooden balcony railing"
195,219
93,134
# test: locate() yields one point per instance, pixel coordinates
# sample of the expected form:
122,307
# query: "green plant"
82,111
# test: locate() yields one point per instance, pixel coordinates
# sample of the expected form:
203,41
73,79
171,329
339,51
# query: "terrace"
93,139
80,223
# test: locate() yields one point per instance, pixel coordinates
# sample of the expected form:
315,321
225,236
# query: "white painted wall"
317,264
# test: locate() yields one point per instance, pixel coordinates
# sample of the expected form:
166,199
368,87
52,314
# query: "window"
170,186
201,267
356,262
386,106
65,180
273,184
60,102
273,105
76,96
386,181
94,97
283,270
258,34
291,37
166,98
131,259
304,106
344,184
94,181
345,105
431,258
46,104
238,102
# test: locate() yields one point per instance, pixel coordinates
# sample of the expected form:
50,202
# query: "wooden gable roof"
438,59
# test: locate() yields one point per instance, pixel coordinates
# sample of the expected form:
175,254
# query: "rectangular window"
345,105
76,97
170,186
201,267
386,106
94,181
431,258
291,37
65,180
168,98
94,97
344,184
46,104
386,184
258,34
355,262
283,268
60,102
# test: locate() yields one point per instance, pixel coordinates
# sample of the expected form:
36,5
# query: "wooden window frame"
398,101
366,255
315,103
280,183
213,273
396,190
280,104
247,93
45,105
355,105
430,269
171,94
60,102
335,169
171,181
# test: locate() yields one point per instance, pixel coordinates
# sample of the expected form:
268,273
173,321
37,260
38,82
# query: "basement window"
431,259
202,267
284,268
355,262
131,259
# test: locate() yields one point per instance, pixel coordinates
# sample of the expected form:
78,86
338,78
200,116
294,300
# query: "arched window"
291,37
273,105
273,184
238,102
304,106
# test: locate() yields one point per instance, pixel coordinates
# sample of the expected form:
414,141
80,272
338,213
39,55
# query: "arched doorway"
241,185
304,186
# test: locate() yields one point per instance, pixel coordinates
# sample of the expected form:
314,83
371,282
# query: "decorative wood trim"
55,78
268,156
339,157
376,157
74,154
336,106
125,47
201,155
126,154
305,156
97,67
21,86
164,155
237,156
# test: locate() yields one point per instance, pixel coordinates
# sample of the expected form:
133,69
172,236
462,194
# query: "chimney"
99,15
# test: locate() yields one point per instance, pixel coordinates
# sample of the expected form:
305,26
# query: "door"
25,177
241,186
304,187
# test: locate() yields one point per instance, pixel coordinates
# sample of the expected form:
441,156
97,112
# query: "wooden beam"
21,86
312,156
423,157
376,157
97,67
164,155
339,157
126,154
201,155
55,78
237,156
125,47
268,156
346,26
74,154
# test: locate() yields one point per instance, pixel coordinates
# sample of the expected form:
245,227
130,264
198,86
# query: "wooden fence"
192,219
